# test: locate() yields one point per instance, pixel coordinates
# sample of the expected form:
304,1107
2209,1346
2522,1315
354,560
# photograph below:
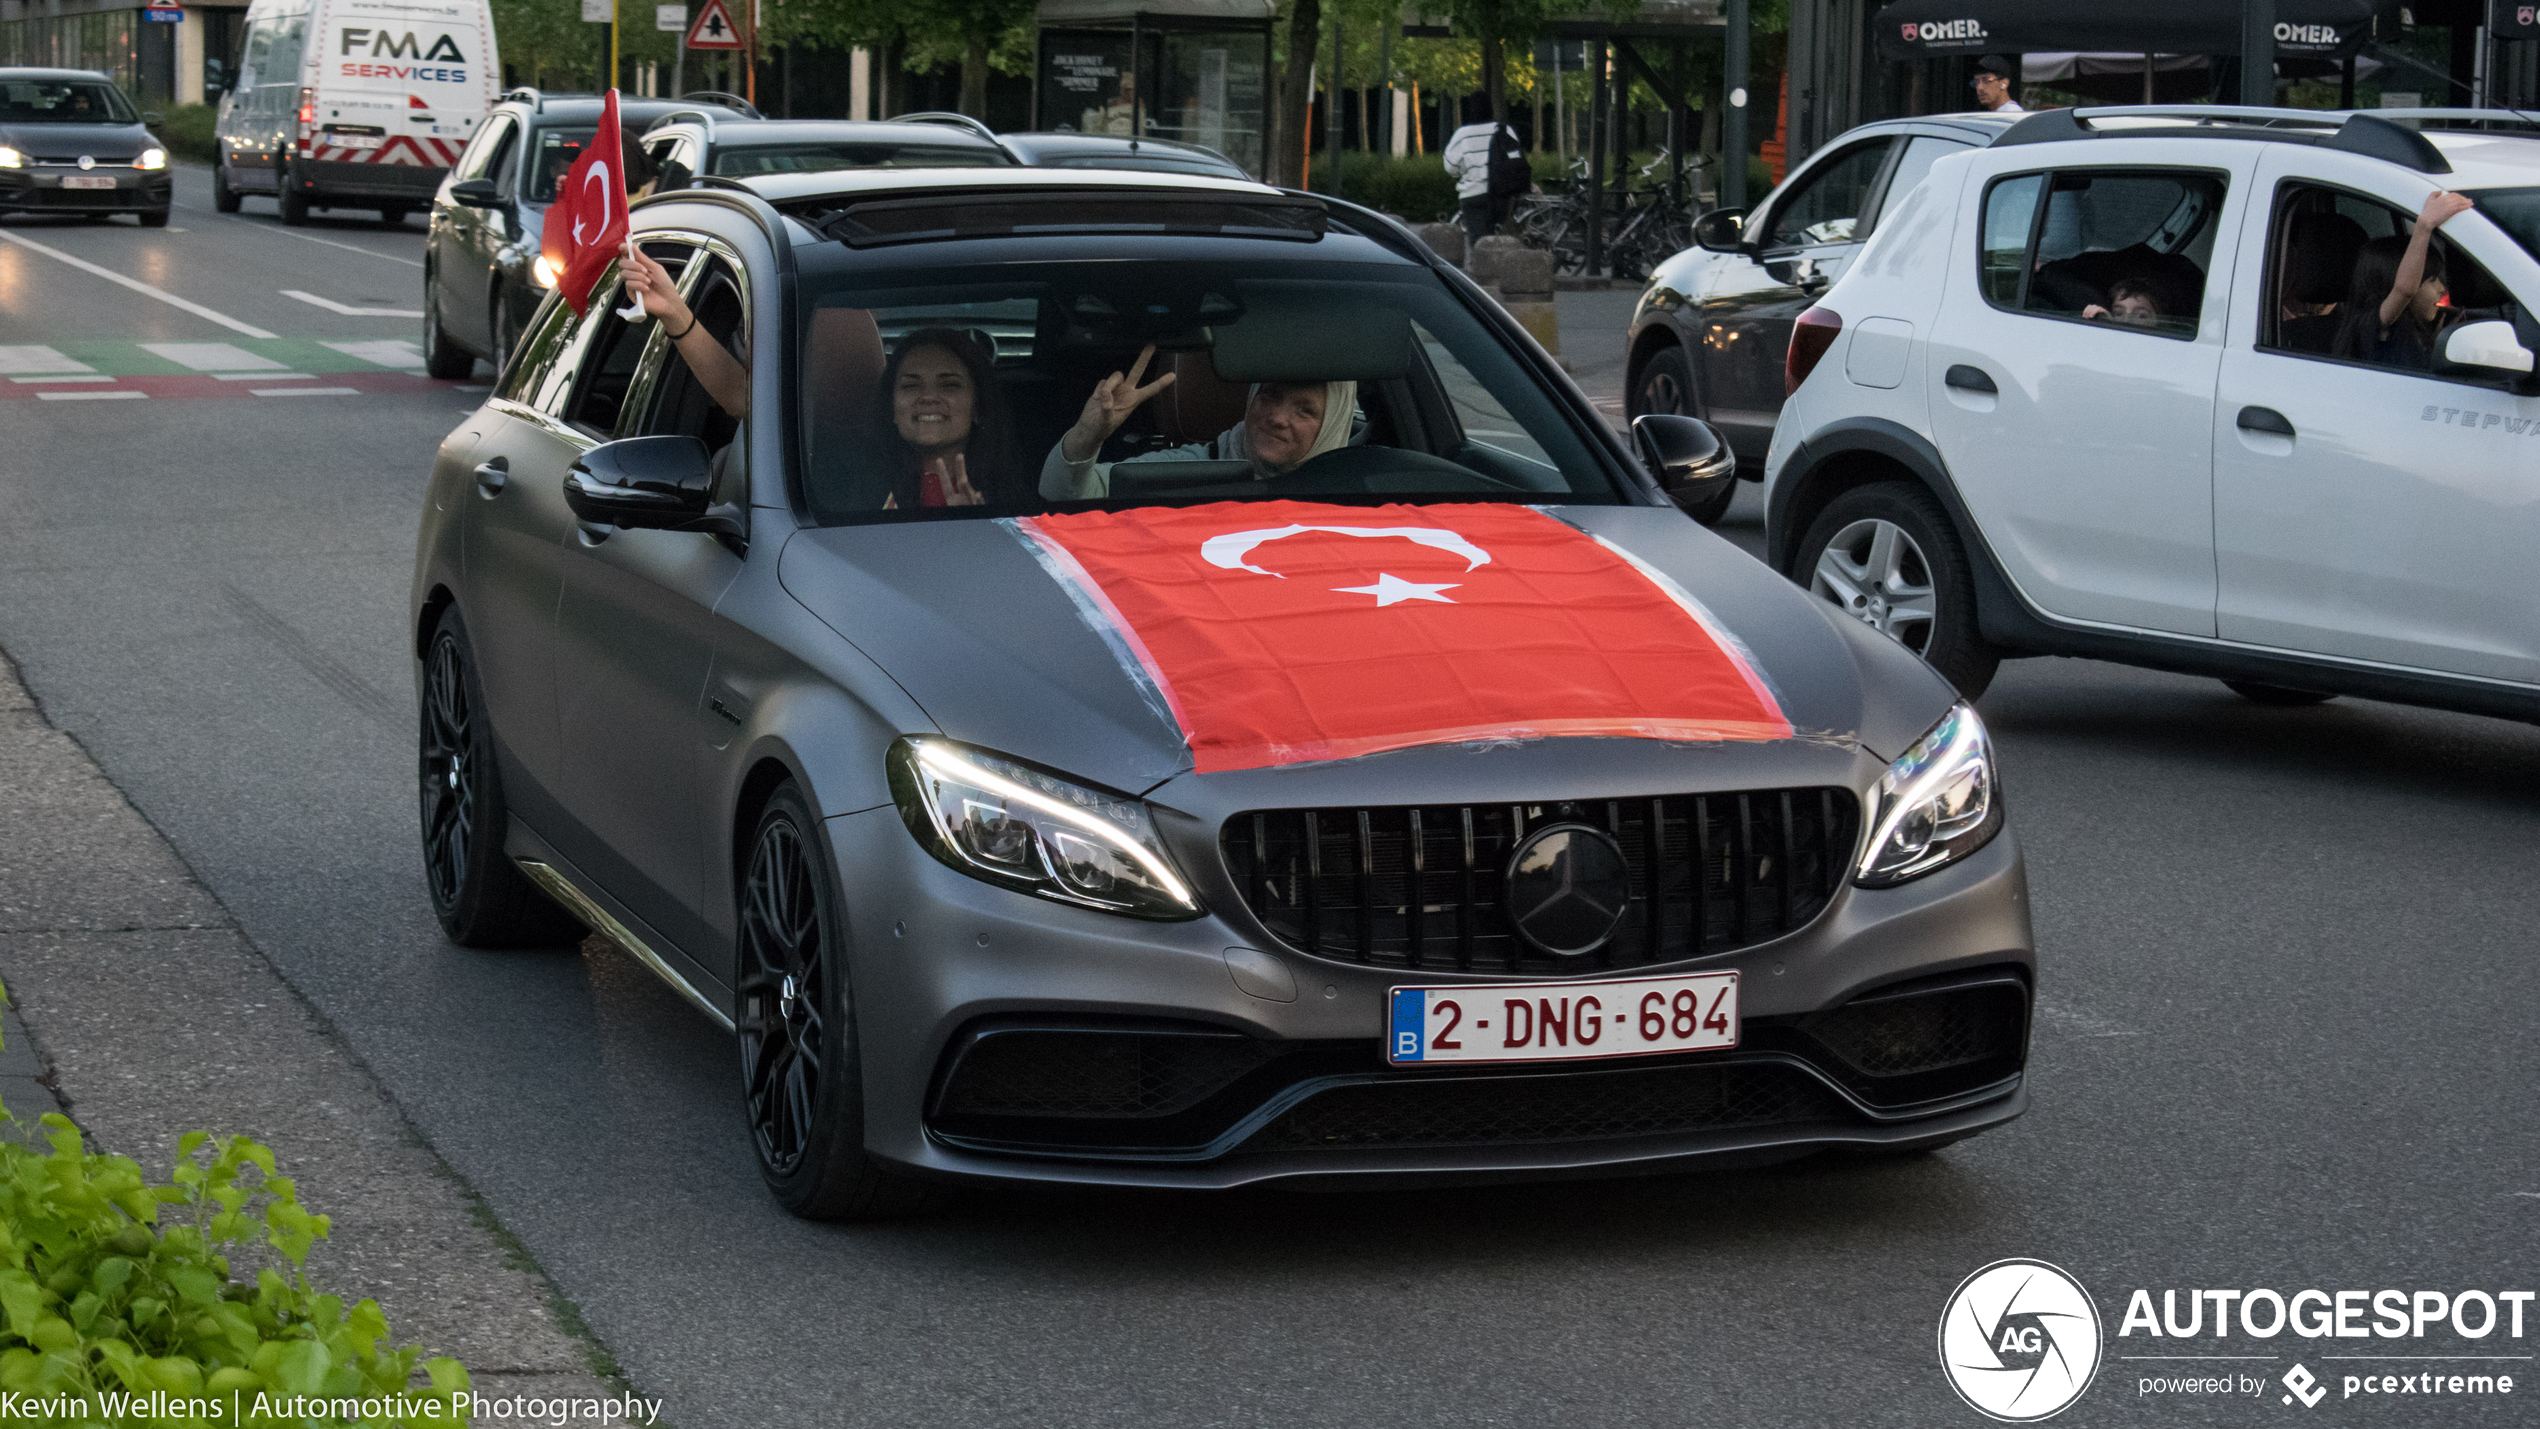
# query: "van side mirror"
649,484
1722,230
2482,349
1690,458
476,193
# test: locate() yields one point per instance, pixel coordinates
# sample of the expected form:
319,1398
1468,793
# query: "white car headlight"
1009,824
151,159
1935,805
544,270
11,158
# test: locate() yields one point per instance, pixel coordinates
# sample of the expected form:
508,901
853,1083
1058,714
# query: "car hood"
970,619
106,143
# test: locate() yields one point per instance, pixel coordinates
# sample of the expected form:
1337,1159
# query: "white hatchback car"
1979,459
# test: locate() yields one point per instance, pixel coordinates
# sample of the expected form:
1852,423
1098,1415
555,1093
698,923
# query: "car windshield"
63,101
552,154
1280,378
817,157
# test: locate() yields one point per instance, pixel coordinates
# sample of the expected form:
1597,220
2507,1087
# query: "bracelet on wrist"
683,332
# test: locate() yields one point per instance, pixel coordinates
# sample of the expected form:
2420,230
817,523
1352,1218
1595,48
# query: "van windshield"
60,101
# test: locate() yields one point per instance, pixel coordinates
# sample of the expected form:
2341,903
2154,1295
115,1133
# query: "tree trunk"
974,76
1296,94
1495,80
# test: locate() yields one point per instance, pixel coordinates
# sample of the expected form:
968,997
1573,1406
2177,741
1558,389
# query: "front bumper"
943,965
39,190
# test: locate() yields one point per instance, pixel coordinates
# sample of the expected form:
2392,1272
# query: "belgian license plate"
1562,1022
355,141
88,181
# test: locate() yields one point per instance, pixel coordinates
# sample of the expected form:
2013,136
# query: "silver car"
1157,681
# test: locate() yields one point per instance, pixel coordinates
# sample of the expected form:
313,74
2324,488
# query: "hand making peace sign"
1115,397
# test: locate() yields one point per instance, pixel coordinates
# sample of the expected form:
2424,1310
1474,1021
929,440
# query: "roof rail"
683,116
525,95
2445,119
939,116
746,109
2372,135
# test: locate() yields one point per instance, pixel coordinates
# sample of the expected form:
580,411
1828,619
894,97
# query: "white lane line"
475,389
38,358
65,377
135,284
262,376
211,357
300,392
92,394
347,247
347,309
390,352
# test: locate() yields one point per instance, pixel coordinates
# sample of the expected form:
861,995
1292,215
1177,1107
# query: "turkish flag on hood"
1281,631
587,222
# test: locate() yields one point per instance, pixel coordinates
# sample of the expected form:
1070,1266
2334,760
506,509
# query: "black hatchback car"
1137,679
71,143
482,276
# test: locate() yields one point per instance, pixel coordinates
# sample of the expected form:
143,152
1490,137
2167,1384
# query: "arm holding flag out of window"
717,370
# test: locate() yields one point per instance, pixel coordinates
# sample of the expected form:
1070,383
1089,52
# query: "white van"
353,103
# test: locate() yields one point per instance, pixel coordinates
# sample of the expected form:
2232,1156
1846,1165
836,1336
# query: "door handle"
492,476
1970,379
2265,419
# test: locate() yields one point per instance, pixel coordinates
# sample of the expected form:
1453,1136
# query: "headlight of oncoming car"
152,159
11,158
1935,805
544,270
1013,825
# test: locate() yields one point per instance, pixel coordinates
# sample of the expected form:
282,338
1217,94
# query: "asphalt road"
2287,981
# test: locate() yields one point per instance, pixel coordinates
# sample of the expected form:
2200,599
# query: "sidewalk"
147,1013
1592,344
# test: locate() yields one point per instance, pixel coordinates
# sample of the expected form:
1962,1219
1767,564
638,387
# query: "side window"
491,142
678,404
607,365
2010,217
1826,206
549,338
2335,260
505,166
2129,248
1495,443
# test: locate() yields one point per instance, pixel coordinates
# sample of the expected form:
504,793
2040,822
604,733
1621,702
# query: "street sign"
165,14
673,18
714,29
599,12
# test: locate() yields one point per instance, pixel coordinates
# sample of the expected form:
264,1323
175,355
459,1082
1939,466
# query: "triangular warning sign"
714,29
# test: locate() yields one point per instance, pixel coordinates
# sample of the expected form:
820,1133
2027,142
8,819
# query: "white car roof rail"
2372,135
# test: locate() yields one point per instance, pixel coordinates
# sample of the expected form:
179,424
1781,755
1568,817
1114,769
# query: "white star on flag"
1390,589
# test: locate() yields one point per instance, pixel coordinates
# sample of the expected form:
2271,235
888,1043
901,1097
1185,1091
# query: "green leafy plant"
187,131
122,1302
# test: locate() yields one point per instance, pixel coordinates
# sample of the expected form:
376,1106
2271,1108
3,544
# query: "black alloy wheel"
224,198
1888,556
802,1085
2278,696
442,358
482,899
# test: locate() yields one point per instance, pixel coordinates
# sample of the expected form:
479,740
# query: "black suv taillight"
1810,335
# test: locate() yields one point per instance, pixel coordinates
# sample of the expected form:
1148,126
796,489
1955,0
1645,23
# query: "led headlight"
1010,824
544,270
151,159
11,158
1935,805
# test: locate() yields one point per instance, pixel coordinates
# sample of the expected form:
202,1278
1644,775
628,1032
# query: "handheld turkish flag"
1282,631
588,220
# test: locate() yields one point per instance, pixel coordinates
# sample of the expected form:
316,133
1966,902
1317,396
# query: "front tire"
505,332
2276,696
1664,386
155,218
1888,556
224,198
802,1086
293,204
394,216
442,358
482,899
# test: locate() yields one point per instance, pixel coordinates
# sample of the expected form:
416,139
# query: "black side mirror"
476,193
1722,230
1688,456
152,116
649,484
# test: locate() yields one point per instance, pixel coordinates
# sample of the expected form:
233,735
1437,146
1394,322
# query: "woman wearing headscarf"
1285,425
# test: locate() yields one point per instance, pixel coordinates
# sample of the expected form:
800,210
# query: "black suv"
71,143
481,273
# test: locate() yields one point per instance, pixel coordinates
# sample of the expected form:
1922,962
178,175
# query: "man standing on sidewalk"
1996,77
1485,160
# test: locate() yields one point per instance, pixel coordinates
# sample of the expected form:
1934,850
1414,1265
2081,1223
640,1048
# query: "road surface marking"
295,392
347,247
391,352
73,377
92,394
262,376
349,311
135,284
211,357
34,358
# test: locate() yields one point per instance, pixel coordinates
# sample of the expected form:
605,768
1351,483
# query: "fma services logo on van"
2019,1340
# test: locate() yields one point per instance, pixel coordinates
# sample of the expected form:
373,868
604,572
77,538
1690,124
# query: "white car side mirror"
2491,345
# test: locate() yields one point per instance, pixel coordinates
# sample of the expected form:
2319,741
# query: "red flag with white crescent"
1280,632
588,220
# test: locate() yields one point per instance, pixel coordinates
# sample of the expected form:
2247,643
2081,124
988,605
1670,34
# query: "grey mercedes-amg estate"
1141,679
